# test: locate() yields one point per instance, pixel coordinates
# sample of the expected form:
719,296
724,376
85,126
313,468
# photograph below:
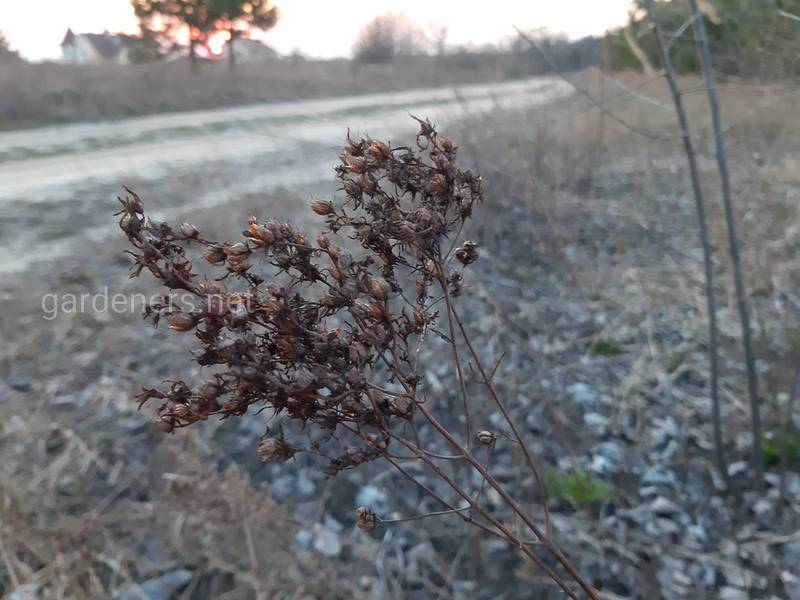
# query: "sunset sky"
321,28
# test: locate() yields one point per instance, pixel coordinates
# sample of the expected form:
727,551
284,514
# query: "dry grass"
37,94
62,539
612,223
613,233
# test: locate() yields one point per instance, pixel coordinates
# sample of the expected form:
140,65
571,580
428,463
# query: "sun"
216,42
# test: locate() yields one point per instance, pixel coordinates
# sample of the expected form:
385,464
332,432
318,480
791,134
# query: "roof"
108,46
69,38
253,48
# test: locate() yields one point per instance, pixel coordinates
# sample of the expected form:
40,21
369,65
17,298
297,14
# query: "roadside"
36,95
589,286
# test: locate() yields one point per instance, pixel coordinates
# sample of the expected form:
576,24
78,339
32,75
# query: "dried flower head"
322,208
486,438
299,325
366,519
467,253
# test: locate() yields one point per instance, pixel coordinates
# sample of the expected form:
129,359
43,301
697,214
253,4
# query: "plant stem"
730,220
702,223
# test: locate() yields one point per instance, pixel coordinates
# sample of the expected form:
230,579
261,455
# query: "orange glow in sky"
321,28
216,42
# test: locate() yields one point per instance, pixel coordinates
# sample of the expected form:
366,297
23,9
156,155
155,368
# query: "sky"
322,28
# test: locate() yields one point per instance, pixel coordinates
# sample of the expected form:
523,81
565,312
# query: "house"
93,48
249,51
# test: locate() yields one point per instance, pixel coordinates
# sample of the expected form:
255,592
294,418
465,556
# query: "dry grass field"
38,94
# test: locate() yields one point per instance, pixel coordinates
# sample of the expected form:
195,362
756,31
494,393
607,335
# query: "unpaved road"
57,183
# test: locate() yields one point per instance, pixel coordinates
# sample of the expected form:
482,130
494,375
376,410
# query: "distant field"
41,94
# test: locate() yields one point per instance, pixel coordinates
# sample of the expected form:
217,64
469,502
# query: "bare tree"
730,221
708,265
387,37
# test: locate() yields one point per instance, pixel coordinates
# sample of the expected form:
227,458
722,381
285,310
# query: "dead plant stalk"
328,341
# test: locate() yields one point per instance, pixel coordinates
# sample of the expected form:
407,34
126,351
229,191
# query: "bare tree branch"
580,90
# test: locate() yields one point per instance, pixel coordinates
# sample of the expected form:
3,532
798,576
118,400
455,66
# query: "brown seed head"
165,423
189,231
237,249
486,438
467,253
366,519
321,207
214,254
180,321
275,449
379,150
379,289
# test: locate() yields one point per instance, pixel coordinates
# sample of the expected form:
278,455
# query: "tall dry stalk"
330,341
733,241
708,264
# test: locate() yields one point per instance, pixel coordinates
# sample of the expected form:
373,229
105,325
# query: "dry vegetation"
590,274
38,94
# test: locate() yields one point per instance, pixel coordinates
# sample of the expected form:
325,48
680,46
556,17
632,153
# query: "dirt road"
58,183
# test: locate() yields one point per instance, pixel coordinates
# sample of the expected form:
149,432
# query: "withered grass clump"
329,339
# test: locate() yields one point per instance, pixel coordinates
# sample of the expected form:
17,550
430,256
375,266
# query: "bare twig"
789,15
788,415
587,95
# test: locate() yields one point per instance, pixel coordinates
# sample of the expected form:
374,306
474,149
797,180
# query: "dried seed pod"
486,438
352,189
214,254
379,289
405,231
375,311
189,231
456,283
467,253
322,207
275,449
165,423
354,164
180,321
237,249
439,185
379,150
402,405
239,263
366,519
271,307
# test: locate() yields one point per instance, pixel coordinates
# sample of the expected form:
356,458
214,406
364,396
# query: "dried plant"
329,341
